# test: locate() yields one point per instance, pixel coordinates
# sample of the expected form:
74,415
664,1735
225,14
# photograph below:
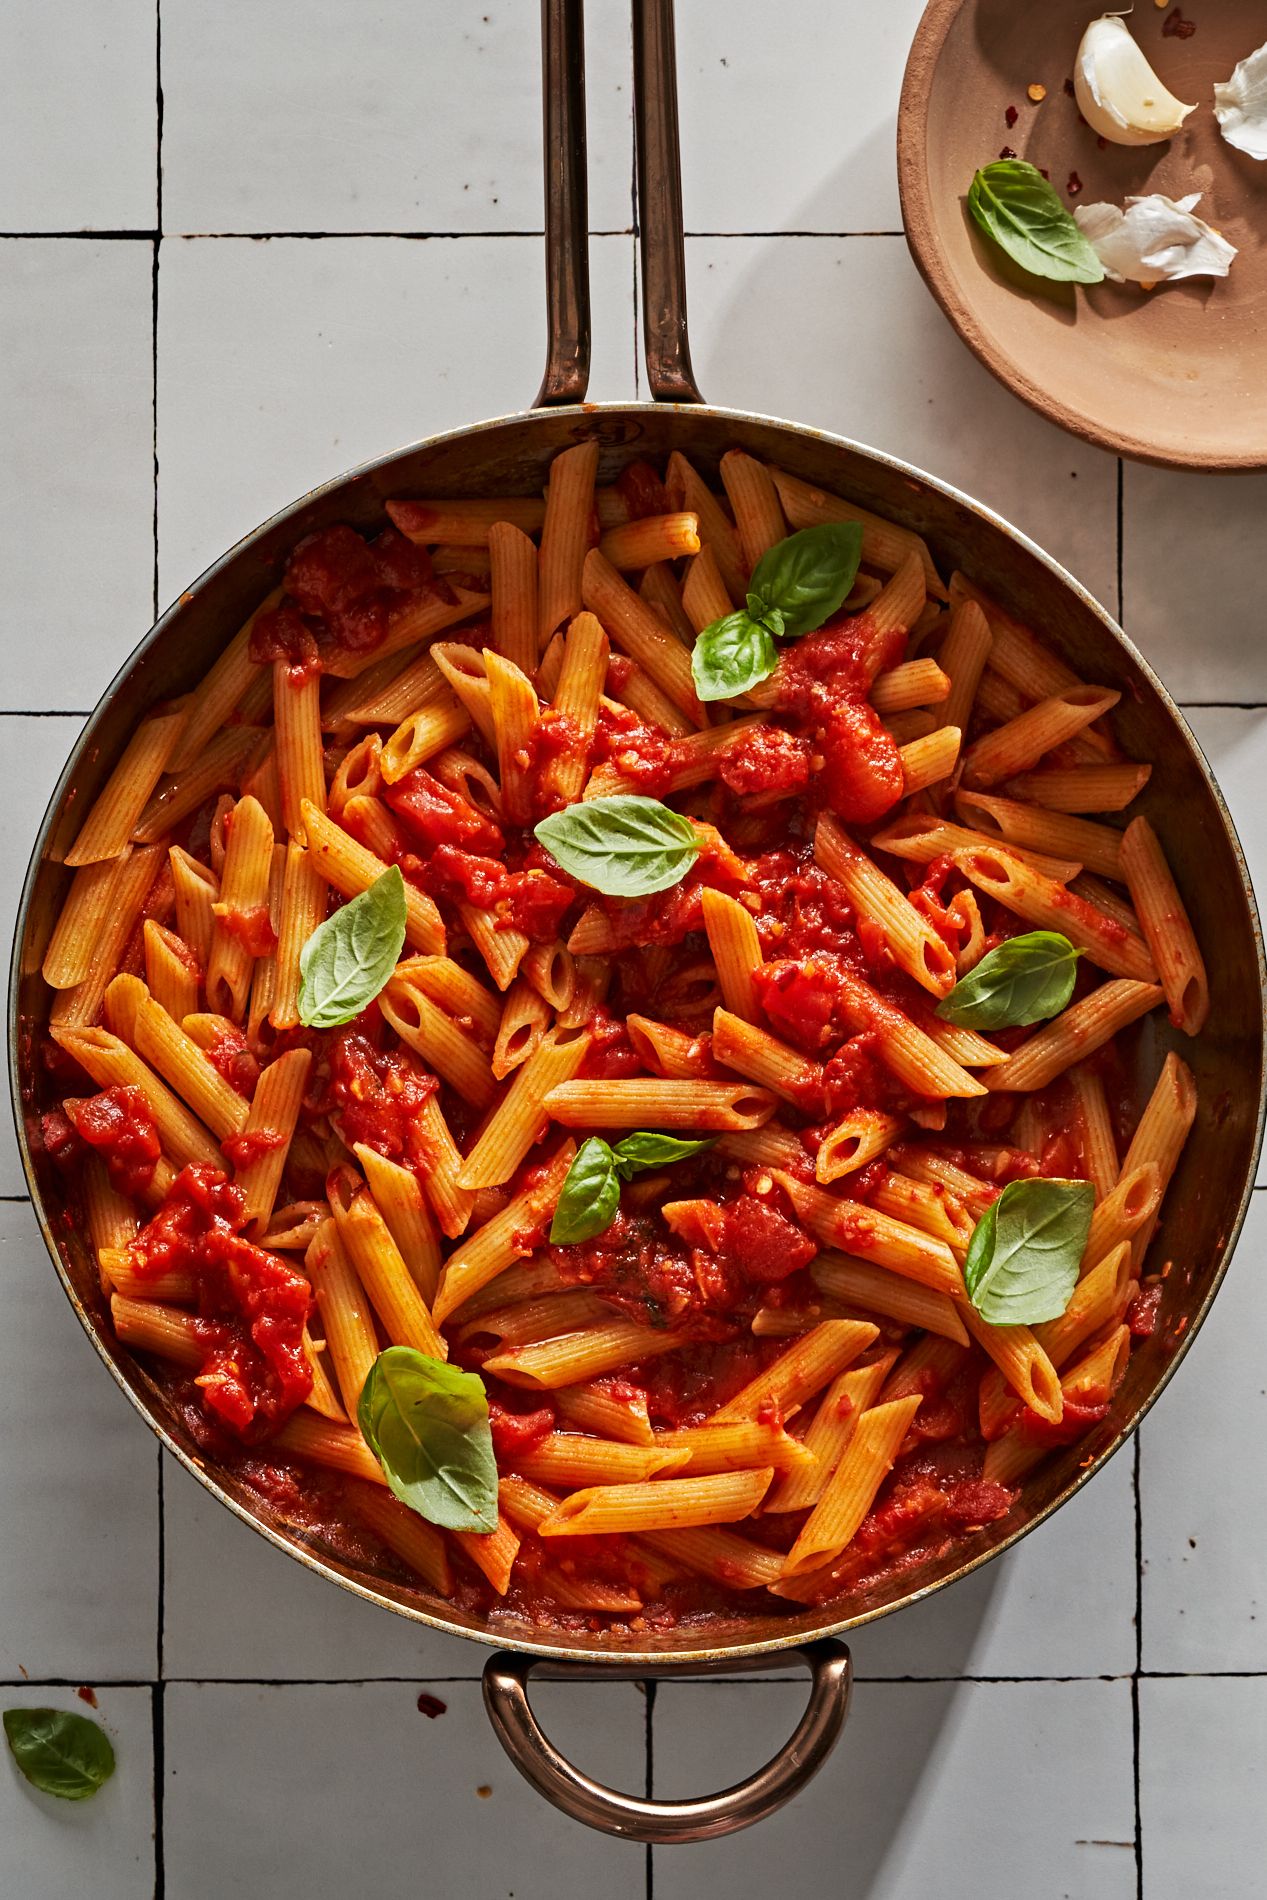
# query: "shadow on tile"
942,1788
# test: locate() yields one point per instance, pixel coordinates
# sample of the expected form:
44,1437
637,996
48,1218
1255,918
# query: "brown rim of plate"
1175,376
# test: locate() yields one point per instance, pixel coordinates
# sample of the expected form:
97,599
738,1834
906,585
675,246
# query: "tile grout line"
1137,1839
158,1714
1137,1672
649,1688
141,232
700,1682
158,1693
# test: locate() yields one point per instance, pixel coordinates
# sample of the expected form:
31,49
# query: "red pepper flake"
431,1705
87,1695
1175,27
1074,185
1010,117
1007,152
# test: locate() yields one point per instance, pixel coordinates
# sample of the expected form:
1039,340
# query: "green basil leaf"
624,847
1025,980
638,1152
765,616
731,655
59,1752
1023,1258
1017,207
807,576
427,1424
347,959
589,1197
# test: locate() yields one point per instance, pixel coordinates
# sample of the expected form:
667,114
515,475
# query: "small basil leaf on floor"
59,1752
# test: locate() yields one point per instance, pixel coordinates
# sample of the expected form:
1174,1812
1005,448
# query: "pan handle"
632,1818
663,251
664,333
567,370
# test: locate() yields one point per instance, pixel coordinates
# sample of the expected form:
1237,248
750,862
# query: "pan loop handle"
663,250
663,247
567,370
632,1818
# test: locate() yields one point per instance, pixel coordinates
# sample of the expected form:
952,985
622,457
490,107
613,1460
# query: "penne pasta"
634,1103
638,632
345,1313
1166,925
866,1462
513,584
913,943
1075,1034
521,1117
350,869
656,538
566,535
671,1504
1021,742
107,829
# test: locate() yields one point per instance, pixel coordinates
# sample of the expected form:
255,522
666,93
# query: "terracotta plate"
1177,375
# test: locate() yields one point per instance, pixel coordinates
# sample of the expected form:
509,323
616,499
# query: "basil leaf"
427,1424
1023,1258
1017,207
624,847
807,576
589,1197
765,616
59,1752
1025,980
348,959
731,655
641,1151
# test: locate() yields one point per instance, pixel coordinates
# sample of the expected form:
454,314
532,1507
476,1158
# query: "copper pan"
510,456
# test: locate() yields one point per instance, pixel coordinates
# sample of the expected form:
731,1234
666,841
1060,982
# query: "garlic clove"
1240,105
1118,93
1155,239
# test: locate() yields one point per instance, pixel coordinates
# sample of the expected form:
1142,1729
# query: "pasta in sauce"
765,1374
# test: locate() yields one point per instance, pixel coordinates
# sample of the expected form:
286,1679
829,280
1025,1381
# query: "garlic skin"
1154,239
1118,93
1240,105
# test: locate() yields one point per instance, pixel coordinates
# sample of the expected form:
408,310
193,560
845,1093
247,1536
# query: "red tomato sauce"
119,1125
375,1095
252,1307
340,590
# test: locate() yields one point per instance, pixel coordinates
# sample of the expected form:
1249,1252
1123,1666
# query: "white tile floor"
1068,1722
